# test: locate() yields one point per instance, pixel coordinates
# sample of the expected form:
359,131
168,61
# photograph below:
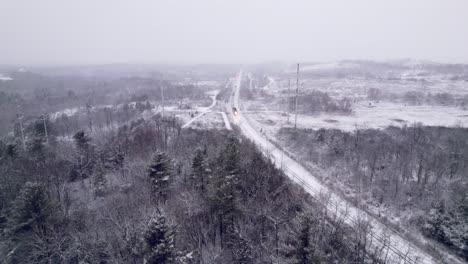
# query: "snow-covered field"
209,117
67,111
5,78
328,66
376,115
209,120
271,110
356,88
208,83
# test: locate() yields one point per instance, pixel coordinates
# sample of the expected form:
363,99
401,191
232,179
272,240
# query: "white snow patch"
207,83
204,110
329,66
68,112
5,78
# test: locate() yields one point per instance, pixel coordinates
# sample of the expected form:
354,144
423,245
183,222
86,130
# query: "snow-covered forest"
234,132
112,180
138,169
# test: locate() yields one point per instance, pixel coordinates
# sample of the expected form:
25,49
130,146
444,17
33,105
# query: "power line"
289,97
297,90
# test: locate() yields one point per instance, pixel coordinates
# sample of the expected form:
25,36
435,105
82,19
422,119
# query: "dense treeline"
152,192
313,102
419,98
317,101
418,172
31,95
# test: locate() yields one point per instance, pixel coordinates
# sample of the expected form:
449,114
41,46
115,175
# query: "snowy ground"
209,120
378,115
210,117
354,79
213,95
5,78
201,117
271,110
358,87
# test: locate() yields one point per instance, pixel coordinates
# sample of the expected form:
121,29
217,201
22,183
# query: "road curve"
203,111
399,249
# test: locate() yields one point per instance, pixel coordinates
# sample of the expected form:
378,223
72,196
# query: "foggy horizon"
242,32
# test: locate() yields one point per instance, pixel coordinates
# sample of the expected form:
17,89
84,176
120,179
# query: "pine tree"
448,224
81,141
118,160
159,240
223,198
31,208
231,157
30,217
242,251
159,172
31,213
85,157
36,149
228,184
11,151
224,187
299,248
240,248
199,170
435,221
99,180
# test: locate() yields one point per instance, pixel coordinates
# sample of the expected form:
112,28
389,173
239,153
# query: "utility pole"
20,120
289,98
162,98
45,127
19,117
297,90
88,113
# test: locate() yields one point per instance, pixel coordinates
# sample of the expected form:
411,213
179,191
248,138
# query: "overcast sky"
237,31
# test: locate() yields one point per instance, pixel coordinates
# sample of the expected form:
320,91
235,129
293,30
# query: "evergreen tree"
299,248
199,170
37,149
11,151
435,221
117,161
81,141
160,172
242,251
223,198
224,187
228,183
231,157
84,165
448,224
31,208
99,180
240,248
30,214
159,240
